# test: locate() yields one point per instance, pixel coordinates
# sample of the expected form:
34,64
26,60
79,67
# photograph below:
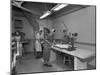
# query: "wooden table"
80,56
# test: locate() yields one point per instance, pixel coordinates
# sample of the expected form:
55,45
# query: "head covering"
53,30
47,30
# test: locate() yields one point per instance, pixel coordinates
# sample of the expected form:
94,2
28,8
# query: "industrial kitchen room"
52,37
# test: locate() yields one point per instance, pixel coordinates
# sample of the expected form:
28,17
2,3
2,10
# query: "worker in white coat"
38,45
16,51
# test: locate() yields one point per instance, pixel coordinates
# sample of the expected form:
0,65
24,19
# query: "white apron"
37,43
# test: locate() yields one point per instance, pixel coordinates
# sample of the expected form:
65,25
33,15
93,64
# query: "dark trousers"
46,53
42,47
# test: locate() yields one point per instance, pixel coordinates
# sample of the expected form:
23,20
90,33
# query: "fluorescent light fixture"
45,14
58,7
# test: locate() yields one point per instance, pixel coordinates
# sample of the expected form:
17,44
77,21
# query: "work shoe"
48,65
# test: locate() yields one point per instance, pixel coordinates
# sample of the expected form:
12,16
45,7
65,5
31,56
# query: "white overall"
37,43
19,51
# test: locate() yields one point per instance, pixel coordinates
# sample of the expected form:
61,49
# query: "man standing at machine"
47,46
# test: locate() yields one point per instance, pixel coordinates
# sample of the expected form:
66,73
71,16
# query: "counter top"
80,53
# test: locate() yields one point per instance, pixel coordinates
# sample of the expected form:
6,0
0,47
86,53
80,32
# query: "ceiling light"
45,14
58,7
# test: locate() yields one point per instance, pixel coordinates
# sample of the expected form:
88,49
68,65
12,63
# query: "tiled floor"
30,64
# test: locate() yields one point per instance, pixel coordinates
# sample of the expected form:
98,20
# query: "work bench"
81,56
